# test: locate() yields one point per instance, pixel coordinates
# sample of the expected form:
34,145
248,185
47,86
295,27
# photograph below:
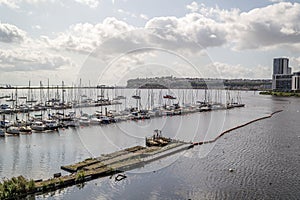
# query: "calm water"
265,155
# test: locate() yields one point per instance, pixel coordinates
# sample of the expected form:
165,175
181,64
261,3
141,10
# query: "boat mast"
205,96
63,97
29,91
16,105
48,93
41,99
152,99
183,98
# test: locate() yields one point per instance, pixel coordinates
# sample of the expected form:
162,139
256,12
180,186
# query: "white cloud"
28,60
143,16
295,63
113,37
238,71
38,27
276,1
193,7
256,29
10,33
36,1
86,37
268,27
261,28
133,15
16,4
90,3
192,28
9,3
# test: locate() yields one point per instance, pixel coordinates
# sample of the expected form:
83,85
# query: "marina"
56,111
129,158
149,100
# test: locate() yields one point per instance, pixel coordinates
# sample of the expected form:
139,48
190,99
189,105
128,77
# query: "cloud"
268,27
9,3
10,33
238,71
261,28
113,37
295,63
143,16
90,3
28,60
133,15
37,27
16,4
193,7
188,34
85,37
192,28
209,27
126,13
35,1
276,1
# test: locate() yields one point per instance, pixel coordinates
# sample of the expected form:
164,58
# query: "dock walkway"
109,164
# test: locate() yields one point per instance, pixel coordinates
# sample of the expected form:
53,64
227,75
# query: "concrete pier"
108,164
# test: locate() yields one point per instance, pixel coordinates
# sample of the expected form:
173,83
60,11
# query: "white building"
296,81
282,75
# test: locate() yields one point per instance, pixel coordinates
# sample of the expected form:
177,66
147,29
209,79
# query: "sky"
111,41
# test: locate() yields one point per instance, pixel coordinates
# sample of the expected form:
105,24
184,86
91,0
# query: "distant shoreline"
280,94
170,82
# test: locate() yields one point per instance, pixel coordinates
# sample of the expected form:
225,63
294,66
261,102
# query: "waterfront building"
281,66
282,82
296,82
282,75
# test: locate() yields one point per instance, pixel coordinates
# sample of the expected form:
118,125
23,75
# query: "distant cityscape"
283,80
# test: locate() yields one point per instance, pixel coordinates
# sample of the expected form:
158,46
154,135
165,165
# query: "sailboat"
167,96
2,132
205,105
25,130
234,102
13,130
136,97
238,102
30,95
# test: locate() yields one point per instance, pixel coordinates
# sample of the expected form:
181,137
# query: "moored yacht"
13,130
2,132
51,124
95,121
38,126
25,130
84,121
